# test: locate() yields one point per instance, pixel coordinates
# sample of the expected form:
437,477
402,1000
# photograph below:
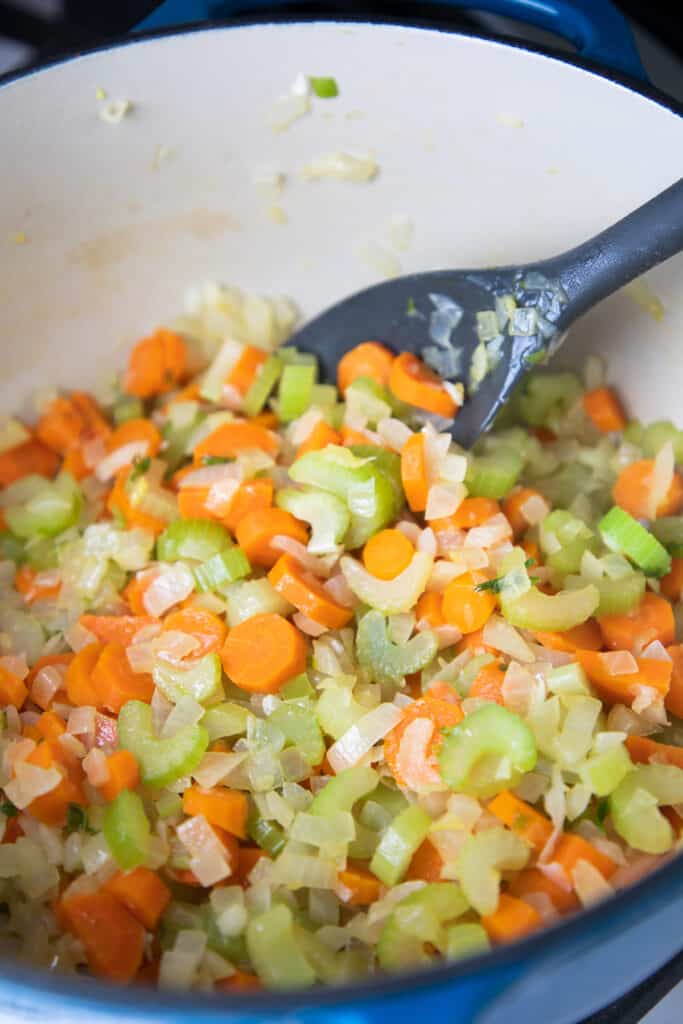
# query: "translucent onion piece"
95,767
361,737
589,884
500,634
443,499
29,782
619,663
661,479
207,854
171,586
120,457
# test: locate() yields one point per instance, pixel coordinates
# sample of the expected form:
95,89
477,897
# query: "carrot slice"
369,359
349,436
255,533
387,554
523,819
513,509
50,726
245,369
632,491
642,750
586,636
79,685
226,808
571,848
512,919
252,496
118,629
118,501
30,457
157,364
428,609
443,714
488,684
413,382
624,688
142,892
263,652
466,607
12,689
321,435
134,593
33,586
203,625
124,773
470,513
113,938
674,698
230,439
114,681
426,865
604,409
414,475
135,430
532,881
307,594
671,585
653,619
362,887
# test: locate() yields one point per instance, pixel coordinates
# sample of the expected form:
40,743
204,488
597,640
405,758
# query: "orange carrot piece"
671,585
387,554
203,625
118,629
192,504
113,938
532,550
571,848
429,609
190,393
413,382
531,881
263,652
488,684
249,856
30,457
239,981
674,698
466,607
80,688
632,489
321,435
142,892
12,689
118,501
586,636
133,594
245,369
624,688
653,619
226,808
114,681
230,439
307,594
414,475
369,359
61,425
52,807
252,496
50,726
266,418
512,509
426,865
33,586
523,819
255,533
124,773
470,513
350,436
142,430
443,714
604,409
362,887
642,750
156,365
513,919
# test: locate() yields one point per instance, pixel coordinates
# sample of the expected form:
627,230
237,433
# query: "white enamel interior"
112,242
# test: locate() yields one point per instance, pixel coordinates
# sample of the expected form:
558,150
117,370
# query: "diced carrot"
523,819
632,491
239,981
12,831
571,848
387,554
488,684
624,688
426,865
142,430
245,369
513,509
203,625
50,726
369,359
124,773
470,512
249,857
266,418
532,881
466,607
118,500
255,533
44,661
262,653
113,938
114,681
61,425
411,381
429,608
193,504
30,457
586,636
252,496
226,808
350,436
52,807
442,714
653,619
513,919
642,750
31,732
604,409
80,688
12,689
134,593
674,698
414,474
532,550
118,629
190,393
671,585
35,586
321,435
230,439
307,594
362,887
142,892
156,365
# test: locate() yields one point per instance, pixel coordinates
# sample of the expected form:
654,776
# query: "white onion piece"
186,712
29,782
427,542
147,633
81,722
469,559
555,873
589,884
48,681
95,767
171,586
94,451
661,478
16,664
298,871
220,495
619,663
442,574
443,499
215,766
492,532
543,905
446,635
308,626
554,658
109,466
657,651
361,737
340,591
500,634
300,430
519,689
394,433
207,854
410,530
208,476
72,745
16,751
534,509
78,637
318,566
450,540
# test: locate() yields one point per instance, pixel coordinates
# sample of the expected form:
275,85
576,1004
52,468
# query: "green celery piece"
634,806
470,672
127,830
343,790
274,951
616,597
42,553
399,842
52,509
324,396
493,476
247,598
389,465
389,662
634,432
197,539
294,390
231,947
261,387
625,535
392,800
551,612
266,834
297,721
169,804
226,719
568,559
480,861
332,967
365,843
655,435
366,398
464,940
297,688
669,531
177,440
334,469
416,920
561,527
546,395
162,761
202,681
324,88
473,752
561,487
327,515
227,566
12,549
127,408
337,710
602,773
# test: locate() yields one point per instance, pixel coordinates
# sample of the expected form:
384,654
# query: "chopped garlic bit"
509,120
115,111
286,110
277,214
342,166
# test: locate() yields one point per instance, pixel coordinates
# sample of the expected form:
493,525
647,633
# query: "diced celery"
227,566
324,396
266,834
669,531
568,679
301,730
464,940
343,790
161,761
127,830
547,395
493,476
247,598
297,688
389,596
655,435
327,515
230,947
470,672
365,843
177,440
386,661
332,967
487,752
389,799
261,387
274,952
368,399
395,851
197,539
12,549
41,553
634,806
561,487
416,920
602,773
226,719
202,681
217,374
127,408
553,612
615,596
294,390
482,858
169,805
51,510
625,535
337,710
634,432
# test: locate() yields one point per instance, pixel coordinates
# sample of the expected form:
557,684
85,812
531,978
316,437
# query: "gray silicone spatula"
434,314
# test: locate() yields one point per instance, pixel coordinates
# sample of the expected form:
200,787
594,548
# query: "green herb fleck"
324,88
601,811
494,586
215,460
411,308
8,809
529,562
77,819
140,467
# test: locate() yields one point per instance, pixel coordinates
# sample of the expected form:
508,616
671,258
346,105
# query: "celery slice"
127,830
464,940
389,596
161,761
327,515
49,511
227,566
343,790
266,834
416,920
625,535
615,596
634,806
551,612
294,391
261,388
487,752
602,773
297,688
197,539
481,860
389,662
547,395
226,719
247,598
274,951
127,408
407,831
493,476
669,531
298,723
202,681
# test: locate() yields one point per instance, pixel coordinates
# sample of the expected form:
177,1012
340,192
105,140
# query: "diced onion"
120,457
414,764
72,745
299,871
208,476
519,688
661,478
494,531
443,499
215,766
94,451
619,663
95,767
361,737
29,782
394,433
534,509
207,854
318,566
78,637
81,722
17,750
657,651
340,591
410,530
500,634
171,586
16,664
187,711
543,905
589,884
46,684
220,495
427,542
447,635
308,626
301,429
469,559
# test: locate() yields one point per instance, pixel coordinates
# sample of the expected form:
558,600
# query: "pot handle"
595,27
